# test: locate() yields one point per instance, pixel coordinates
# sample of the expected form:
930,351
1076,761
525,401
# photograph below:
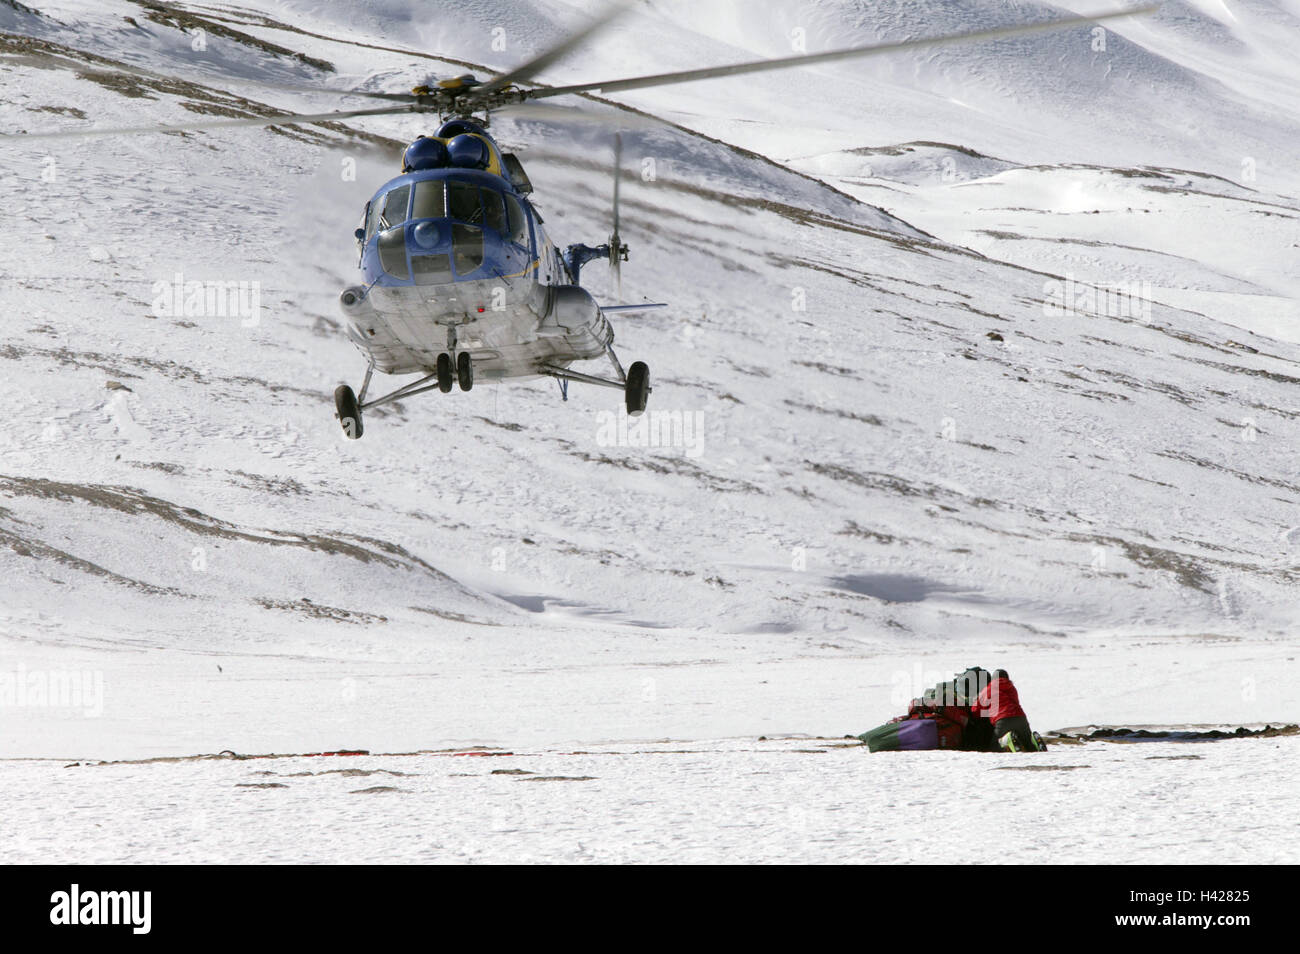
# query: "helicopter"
459,279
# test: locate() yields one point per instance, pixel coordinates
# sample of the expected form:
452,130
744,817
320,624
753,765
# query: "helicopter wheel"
349,412
444,373
637,388
464,371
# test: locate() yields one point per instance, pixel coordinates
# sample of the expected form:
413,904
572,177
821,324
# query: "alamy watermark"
76,906
1128,299
931,690
657,429
53,689
208,299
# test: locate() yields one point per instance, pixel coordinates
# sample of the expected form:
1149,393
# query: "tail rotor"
617,250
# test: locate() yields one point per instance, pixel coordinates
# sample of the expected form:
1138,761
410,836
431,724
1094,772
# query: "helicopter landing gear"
349,411
637,388
444,373
349,406
634,383
464,371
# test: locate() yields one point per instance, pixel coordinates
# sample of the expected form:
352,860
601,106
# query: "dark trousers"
978,736
1018,726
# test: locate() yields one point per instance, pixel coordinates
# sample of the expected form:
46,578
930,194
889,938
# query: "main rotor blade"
546,113
290,119
543,60
205,79
308,90
209,79
758,66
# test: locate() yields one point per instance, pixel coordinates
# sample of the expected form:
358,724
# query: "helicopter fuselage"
455,260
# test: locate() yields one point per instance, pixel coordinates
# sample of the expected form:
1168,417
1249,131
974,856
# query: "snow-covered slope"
983,355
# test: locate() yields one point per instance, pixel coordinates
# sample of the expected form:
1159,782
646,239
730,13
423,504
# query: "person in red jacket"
999,703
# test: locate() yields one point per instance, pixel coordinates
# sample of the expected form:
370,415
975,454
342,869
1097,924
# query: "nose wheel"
464,371
459,372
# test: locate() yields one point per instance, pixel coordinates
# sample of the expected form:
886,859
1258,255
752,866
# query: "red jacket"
998,700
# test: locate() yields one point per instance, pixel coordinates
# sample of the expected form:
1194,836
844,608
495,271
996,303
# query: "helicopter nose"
444,250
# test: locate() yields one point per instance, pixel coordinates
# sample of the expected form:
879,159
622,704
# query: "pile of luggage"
976,711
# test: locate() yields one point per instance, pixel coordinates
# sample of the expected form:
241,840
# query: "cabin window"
429,200
518,221
494,211
462,202
467,247
392,253
395,207
431,269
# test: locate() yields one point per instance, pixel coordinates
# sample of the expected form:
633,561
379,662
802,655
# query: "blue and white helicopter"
459,278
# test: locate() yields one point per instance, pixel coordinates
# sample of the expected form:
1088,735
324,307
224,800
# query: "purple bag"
913,735
916,734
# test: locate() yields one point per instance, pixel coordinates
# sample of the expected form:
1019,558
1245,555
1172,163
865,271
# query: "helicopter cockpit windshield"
393,211
435,231
430,200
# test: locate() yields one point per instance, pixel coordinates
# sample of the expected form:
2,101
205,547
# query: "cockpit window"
431,269
392,253
467,248
429,201
394,212
370,217
463,202
518,222
494,211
